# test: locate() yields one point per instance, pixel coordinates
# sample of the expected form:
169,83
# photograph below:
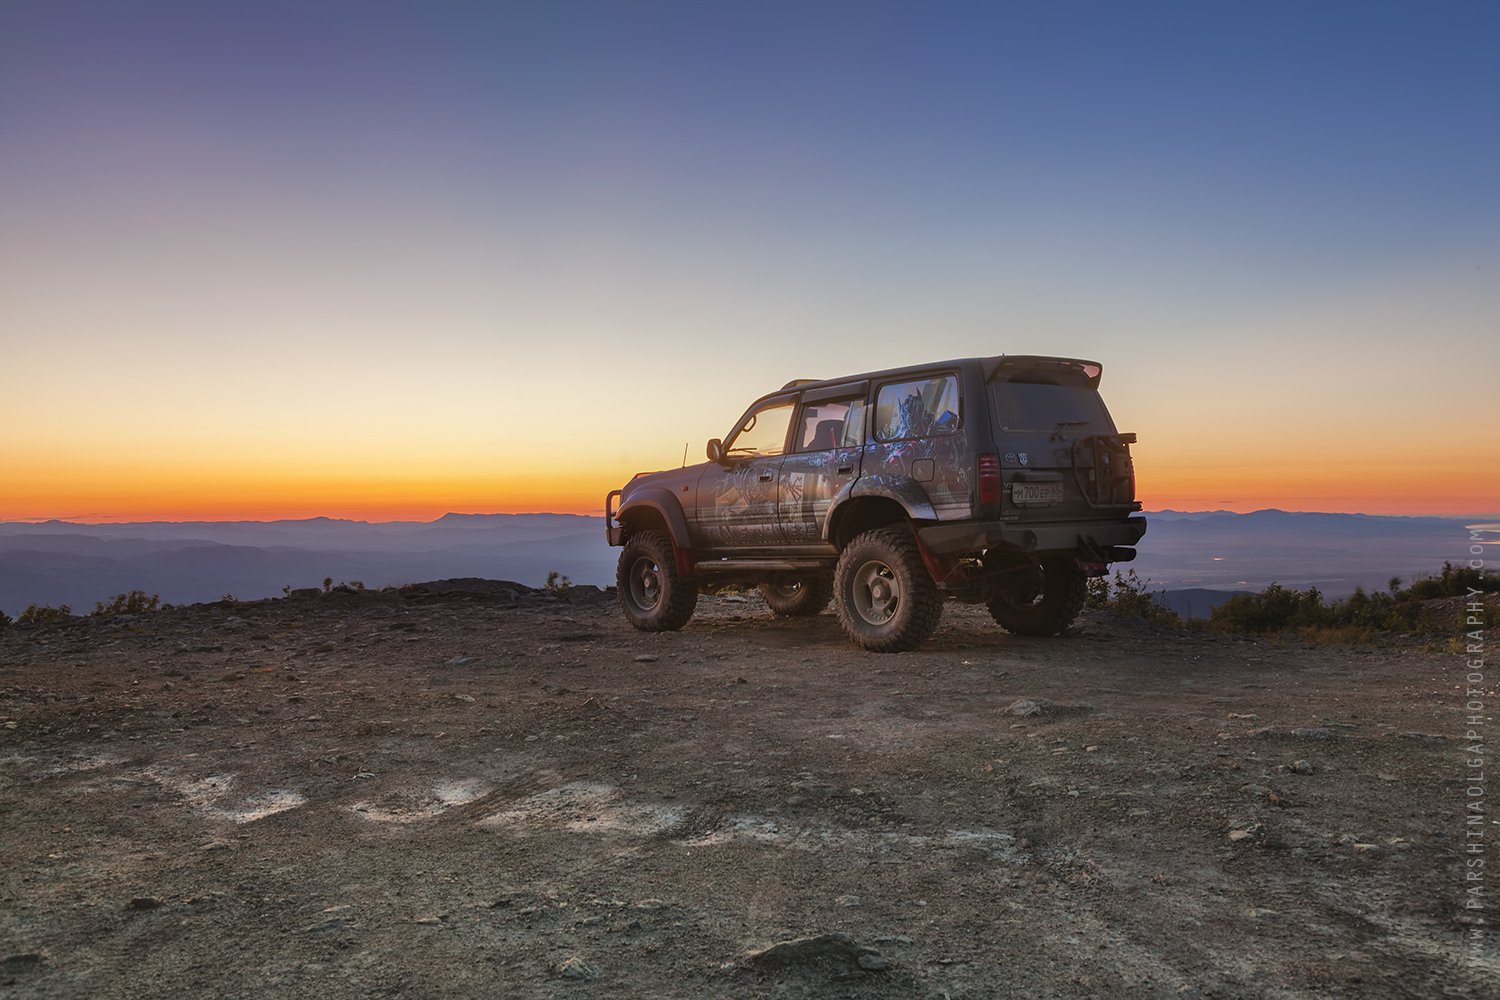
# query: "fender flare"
665,504
911,497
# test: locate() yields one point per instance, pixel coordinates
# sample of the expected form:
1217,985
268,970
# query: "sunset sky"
386,260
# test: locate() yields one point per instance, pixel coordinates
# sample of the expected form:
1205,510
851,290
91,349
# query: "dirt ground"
473,790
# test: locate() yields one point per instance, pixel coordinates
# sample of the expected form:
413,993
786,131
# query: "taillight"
989,478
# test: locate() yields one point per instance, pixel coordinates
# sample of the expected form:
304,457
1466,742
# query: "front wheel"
654,597
885,598
801,599
1040,598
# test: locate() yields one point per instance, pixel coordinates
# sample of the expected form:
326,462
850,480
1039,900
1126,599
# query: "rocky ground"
474,789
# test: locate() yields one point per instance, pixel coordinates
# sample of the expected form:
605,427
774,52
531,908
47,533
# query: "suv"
997,480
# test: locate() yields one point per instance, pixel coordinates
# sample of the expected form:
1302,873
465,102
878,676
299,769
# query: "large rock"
836,946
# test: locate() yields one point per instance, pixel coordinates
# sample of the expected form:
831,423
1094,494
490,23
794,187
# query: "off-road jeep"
997,480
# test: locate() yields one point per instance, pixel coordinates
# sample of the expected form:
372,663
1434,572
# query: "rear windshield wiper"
1061,424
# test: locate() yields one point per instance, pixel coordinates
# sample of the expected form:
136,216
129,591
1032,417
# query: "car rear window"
1045,406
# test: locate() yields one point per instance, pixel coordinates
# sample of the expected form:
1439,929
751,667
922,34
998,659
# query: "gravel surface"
473,789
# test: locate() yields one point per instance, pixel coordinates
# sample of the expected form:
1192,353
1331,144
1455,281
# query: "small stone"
144,903
459,661
1364,848
849,901
644,658
651,904
1238,835
1258,913
428,921
467,699
325,926
873,962
1092,748
1247,716
1302,767
1026,707
574,967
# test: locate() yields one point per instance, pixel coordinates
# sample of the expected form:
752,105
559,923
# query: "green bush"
1127,595
1453,581
134,603
1277,609
42,614
5,620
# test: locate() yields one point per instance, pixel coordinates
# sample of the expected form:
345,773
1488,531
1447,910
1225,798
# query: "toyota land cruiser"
998,480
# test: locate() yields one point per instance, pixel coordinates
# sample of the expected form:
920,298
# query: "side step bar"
760,565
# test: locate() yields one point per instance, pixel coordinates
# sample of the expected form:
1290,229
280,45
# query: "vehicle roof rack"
800,381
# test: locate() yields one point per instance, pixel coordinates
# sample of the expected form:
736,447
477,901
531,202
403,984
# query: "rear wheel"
801,599
654,597
1040,598
886,599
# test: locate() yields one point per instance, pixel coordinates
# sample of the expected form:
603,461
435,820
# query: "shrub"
42,614
5,620
1452,581
1127,595
559,585
327,584
1358,616
134,603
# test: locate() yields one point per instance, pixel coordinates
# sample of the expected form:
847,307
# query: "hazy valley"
1194,557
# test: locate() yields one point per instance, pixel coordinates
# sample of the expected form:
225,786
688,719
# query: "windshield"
1041,406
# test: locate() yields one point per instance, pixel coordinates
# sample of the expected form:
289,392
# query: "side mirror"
716,451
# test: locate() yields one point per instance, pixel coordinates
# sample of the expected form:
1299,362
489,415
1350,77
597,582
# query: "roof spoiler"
1007,365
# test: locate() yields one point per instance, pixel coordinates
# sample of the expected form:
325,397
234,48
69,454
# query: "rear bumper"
1091,537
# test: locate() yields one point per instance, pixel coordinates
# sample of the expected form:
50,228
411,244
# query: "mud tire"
1045,604
803,599
652,594
886,600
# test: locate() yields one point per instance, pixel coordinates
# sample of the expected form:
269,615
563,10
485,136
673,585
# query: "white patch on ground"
207,796
412,807
263,805
805,835
60,763
586,807
595,807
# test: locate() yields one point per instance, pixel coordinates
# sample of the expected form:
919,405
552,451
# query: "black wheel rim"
875,593
645,583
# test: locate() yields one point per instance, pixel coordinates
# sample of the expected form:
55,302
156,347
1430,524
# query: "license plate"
1036,492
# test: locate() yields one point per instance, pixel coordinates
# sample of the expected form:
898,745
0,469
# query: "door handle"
766,477
846,470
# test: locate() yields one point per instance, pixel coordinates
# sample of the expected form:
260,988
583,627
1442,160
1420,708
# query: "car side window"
827,425
763,433
920,408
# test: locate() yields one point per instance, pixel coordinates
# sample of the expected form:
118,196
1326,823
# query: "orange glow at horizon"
165,493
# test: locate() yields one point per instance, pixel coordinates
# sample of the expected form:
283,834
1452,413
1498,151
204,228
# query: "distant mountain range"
1197,558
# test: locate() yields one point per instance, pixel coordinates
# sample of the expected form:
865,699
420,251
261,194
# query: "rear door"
1060,456
828,435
